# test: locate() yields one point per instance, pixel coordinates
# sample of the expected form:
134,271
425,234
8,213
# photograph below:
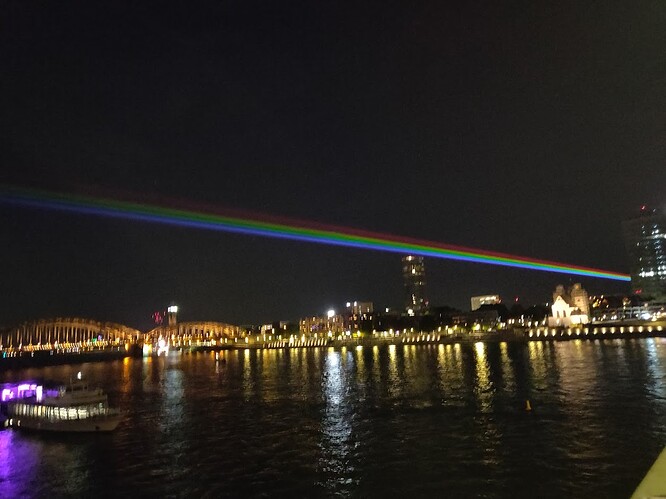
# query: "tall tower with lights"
172,313
413,275
645,240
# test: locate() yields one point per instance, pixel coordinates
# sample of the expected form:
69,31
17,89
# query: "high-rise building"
413,275
645,240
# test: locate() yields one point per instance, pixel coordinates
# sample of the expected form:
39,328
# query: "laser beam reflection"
283,229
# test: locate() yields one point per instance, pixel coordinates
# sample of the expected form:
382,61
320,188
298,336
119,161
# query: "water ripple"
421,421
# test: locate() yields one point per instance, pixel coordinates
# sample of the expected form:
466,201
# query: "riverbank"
21,359
514,335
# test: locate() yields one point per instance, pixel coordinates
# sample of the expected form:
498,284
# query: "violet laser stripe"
256,227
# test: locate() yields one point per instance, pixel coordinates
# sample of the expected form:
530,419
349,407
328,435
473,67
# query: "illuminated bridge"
193,334
75,335
66,335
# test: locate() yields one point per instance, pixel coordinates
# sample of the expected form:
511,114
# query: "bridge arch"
45,334
193,333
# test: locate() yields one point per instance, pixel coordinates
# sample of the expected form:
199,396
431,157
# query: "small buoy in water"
528,407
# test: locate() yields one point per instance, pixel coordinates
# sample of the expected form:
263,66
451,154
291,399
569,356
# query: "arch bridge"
192,334
67,333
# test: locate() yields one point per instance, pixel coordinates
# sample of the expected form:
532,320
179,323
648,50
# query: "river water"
390,421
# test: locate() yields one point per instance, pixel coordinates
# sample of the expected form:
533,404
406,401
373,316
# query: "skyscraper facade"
413,275
645,239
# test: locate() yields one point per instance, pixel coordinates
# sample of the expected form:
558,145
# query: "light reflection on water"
390,420
336,429
18,459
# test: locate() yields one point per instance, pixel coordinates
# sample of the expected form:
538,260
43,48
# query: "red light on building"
158,317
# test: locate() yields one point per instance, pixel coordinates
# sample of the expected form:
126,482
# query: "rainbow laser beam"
268,226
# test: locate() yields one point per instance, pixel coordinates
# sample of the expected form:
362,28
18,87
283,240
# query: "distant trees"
536,312
437,317
500,308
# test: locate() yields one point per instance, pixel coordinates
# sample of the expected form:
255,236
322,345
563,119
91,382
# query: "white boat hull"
70,408
88,425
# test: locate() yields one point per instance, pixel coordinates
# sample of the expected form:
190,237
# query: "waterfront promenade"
518,334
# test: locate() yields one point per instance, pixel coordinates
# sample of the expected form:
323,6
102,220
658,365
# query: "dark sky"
528,127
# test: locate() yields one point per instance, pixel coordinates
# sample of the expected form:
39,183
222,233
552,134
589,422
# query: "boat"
65,408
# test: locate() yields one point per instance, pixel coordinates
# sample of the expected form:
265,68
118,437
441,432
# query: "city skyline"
508,127
413,269
417,305
414,303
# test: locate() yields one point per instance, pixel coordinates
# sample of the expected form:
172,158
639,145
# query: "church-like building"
570,306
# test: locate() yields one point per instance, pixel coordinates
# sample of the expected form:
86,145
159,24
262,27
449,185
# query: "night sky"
531,128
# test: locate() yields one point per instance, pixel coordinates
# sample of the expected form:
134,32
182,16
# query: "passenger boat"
67,408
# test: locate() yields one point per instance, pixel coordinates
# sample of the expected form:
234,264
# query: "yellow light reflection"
484,385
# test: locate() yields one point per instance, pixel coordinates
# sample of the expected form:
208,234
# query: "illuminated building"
322,325
609,308
359,316
172,312
645,240
477,301
359,307
580,299
413,275
279,328
570,306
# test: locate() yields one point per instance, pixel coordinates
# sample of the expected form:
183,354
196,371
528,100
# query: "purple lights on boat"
6,395
25,390
20,391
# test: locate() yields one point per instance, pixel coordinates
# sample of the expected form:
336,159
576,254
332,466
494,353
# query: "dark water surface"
420,421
